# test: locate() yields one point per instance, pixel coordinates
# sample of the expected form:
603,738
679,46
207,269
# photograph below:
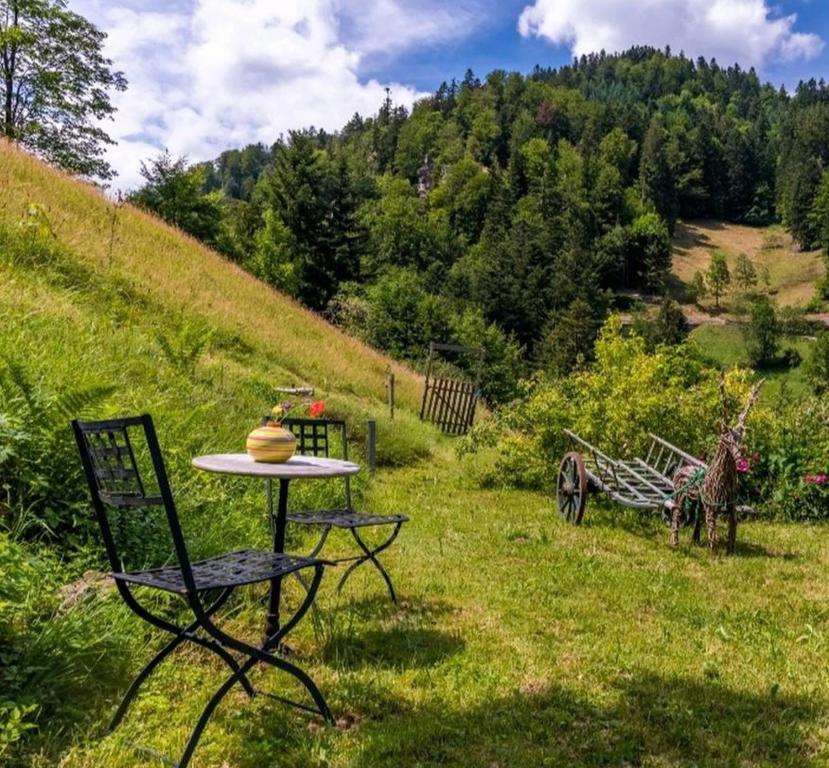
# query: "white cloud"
745,31
386,26
209,75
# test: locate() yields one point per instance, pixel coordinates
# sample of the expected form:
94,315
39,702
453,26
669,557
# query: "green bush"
614,403
790,460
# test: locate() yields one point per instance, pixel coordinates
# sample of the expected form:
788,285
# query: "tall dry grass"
179,272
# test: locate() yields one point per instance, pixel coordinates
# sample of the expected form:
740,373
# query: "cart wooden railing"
639,483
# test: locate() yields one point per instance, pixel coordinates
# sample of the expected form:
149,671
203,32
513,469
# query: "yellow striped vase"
271,445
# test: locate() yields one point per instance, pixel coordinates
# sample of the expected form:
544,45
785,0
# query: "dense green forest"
510,211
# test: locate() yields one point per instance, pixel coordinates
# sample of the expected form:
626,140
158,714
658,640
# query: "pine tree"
656,179
762,334
698,287
819,213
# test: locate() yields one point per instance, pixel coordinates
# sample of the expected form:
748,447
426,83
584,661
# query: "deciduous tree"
55,84
174,192
745,275
718,277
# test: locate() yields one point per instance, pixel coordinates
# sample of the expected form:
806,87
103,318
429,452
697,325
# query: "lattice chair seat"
247,566
344,518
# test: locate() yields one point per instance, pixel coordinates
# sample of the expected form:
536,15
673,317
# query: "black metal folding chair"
313,440
112,471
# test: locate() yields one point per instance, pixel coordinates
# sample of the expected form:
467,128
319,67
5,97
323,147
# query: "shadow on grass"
378,607
376,632
651,719
606,514
749,549
645,719
650,525
399,647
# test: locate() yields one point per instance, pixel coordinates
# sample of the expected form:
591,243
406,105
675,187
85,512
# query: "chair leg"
256,655
311,555
207,712
318,548
371,555
236,677
180,636
262,653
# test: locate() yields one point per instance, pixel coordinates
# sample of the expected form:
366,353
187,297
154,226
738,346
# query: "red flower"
317,408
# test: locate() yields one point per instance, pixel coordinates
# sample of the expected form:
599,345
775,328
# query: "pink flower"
743,465
820,479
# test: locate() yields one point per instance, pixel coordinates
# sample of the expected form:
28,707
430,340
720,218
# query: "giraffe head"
733,437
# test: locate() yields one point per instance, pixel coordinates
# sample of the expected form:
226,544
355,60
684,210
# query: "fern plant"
41,487
184,349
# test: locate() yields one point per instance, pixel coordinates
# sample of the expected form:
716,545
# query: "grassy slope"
725,345
792,282
519,640
792,274
178,273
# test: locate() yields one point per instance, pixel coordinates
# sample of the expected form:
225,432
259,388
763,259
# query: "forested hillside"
509,211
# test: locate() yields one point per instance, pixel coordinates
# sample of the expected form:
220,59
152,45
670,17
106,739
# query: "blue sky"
207,75
497,43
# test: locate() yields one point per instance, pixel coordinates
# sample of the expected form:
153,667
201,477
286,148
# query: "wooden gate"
450,402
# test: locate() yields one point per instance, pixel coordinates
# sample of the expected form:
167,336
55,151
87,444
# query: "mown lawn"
519,641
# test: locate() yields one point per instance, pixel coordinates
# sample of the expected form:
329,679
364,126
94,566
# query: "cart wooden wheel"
571,488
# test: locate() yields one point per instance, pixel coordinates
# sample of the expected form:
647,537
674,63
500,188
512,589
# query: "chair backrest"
114,480
313,439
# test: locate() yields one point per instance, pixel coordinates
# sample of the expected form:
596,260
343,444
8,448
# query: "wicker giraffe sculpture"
716,490
686,483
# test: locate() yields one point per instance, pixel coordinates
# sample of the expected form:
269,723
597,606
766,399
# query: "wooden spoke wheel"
571,488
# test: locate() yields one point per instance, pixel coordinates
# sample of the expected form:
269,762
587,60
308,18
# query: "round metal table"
296,468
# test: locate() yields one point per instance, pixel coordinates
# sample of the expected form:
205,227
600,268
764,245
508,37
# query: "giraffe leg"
711,524
732,530
675,514
697,522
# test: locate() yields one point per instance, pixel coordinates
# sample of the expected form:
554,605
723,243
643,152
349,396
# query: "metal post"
279,525
371,446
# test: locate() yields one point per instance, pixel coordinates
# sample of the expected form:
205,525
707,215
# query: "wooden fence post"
390,387
371,445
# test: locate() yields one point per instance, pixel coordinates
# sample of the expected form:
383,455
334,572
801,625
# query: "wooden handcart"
637,483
